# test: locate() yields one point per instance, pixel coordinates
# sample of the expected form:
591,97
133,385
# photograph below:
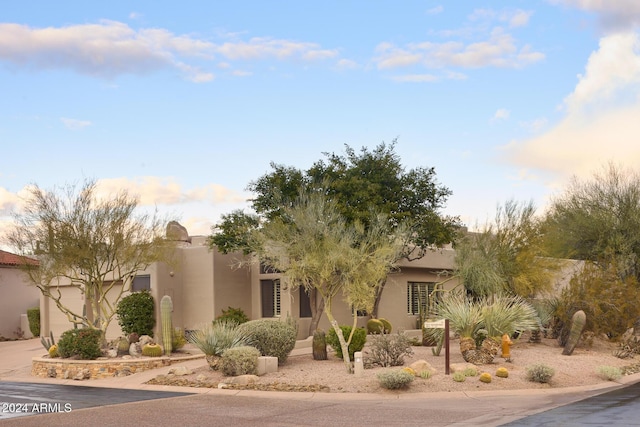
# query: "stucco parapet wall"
45,367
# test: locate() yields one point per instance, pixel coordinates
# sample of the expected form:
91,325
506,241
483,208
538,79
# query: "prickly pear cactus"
578,321
166,307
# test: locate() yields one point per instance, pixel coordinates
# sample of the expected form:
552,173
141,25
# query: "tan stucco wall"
16,296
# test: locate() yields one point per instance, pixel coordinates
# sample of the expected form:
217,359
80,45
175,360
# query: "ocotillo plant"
578,321
166,307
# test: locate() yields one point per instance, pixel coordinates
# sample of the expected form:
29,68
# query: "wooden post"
446,349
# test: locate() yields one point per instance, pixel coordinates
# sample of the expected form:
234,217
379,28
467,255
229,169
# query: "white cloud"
501,114
166,191
8,200
346,64
435,10
610,72
520,18
499,50
428,78
614,15
135,15
108,49
514,18
601,123
240,73
74,124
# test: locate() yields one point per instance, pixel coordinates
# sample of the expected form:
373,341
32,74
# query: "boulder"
180,371
135,350
144,340
460,367
243,379
176,231
420,366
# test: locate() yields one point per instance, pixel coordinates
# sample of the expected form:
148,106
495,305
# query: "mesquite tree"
83,241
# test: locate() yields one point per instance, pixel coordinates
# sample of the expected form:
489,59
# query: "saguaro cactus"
319,345
578,322
166,307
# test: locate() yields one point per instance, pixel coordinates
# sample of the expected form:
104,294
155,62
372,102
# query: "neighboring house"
16,296
205,282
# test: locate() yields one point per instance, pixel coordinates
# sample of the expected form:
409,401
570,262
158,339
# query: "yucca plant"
509,315
213,339
465,319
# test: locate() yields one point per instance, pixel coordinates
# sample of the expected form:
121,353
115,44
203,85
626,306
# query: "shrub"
33,314
389,350
539,373
240,361
610,373
357,342
459,377
375,326
136,313
178,340
395,379
271,337
231,314
83,343
425,375
217,337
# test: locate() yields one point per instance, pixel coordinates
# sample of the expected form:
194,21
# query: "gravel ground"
303,373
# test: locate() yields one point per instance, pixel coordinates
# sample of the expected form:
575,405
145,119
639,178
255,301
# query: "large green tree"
507,256
598,220
358,182
316,248
95,245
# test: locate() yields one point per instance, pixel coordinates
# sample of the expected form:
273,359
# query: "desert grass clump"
395,379
539,373
609,373
425,375
388,350
240,361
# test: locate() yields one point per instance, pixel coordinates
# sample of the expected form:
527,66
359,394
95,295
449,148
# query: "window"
270,295
305,303
418,296
141,283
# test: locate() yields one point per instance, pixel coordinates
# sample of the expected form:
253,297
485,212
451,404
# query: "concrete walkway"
463,408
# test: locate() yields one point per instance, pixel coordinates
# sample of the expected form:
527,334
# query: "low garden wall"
71,369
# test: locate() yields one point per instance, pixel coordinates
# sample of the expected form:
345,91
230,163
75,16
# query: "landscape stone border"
45,367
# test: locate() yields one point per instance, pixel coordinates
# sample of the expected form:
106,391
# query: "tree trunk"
376,301
343,343
317,308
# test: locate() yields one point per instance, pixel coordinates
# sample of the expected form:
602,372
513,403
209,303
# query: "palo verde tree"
317,248
507,256
93,244
358,183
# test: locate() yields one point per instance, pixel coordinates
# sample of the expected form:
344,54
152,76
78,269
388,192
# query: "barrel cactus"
166,307
485,377
502,373
152,350
53,351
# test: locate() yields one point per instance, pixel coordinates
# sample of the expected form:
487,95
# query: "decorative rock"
66,375
243,379
51,372
112,352
420,366
180,371
201,378
460,367
176,231
135,349
84,374
145,339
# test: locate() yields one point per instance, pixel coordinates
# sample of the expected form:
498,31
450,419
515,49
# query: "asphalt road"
36,404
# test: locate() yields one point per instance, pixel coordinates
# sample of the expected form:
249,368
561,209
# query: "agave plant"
465,318
509,315
213,339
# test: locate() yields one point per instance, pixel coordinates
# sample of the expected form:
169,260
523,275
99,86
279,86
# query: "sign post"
442,324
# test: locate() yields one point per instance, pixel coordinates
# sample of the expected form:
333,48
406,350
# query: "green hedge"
33,314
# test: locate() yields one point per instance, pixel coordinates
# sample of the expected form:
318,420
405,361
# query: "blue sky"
185,105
